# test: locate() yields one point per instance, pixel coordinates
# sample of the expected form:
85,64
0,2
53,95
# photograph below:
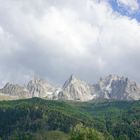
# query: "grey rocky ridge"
77,90
40,88
111,87
14,90
118,87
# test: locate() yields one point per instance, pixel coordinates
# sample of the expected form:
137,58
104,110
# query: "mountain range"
111,87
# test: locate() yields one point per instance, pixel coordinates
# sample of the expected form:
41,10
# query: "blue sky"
123,10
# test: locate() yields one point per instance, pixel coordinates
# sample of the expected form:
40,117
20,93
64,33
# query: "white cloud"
132,4
56,38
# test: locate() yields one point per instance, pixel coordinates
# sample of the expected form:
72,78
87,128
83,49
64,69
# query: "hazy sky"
56,38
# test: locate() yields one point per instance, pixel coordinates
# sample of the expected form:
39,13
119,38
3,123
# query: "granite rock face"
15,90
77,90
40,88
117,87
111,87
35,88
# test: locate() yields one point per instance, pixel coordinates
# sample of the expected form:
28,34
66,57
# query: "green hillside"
35,118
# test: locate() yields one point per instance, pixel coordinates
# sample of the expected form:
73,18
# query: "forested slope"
42,119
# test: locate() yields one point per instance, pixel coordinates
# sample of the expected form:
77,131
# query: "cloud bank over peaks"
53,39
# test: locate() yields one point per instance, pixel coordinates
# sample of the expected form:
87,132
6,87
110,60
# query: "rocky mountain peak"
37,80
11,85
15,90
40,88
7,85
76,89
73,77
111,87
71,80
118,87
